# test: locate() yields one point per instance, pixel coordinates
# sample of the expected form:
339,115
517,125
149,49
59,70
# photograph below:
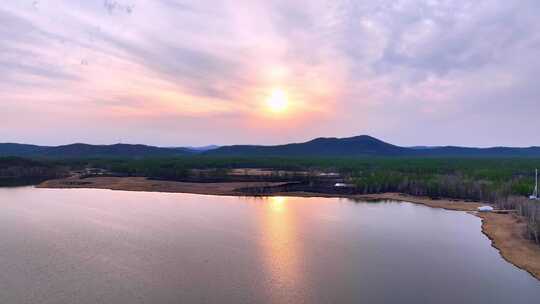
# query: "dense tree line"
438,185
14,170
481,179
528,209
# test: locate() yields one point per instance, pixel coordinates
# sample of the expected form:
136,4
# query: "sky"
189,73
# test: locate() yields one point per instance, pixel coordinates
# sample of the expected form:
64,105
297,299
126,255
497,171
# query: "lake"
101,246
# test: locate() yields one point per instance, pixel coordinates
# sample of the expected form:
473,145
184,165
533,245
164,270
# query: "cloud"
387,68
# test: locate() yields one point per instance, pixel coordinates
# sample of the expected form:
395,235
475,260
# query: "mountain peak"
362,145
352,138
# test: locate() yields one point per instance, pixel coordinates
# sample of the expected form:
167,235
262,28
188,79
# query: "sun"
277,101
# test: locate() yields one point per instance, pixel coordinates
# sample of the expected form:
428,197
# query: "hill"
451,151
90,151
365,145
332,147
357,146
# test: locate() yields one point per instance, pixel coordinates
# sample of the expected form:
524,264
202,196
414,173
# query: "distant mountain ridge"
365,145
357,146
79,150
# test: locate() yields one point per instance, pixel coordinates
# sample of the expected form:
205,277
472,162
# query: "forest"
15,171
483,179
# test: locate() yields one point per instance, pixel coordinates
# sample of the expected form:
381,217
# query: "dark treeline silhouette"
19,171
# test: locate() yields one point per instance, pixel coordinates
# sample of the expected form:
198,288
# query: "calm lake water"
100,246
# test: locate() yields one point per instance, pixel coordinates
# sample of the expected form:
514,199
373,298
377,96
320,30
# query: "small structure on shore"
342,185
485,209
534,196
328,174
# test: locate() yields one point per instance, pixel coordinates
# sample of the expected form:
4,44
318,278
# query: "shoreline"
506,231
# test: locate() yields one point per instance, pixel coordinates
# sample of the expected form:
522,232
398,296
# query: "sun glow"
277,203
278,101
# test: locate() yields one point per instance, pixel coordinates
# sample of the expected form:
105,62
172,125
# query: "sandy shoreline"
147,185
506,231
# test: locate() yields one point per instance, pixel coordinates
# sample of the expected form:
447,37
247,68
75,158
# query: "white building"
485,209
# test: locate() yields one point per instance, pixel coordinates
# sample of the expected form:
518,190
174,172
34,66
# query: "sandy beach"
506,231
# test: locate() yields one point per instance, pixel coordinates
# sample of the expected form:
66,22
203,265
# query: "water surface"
101,246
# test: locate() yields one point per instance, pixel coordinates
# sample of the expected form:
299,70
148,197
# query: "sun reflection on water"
277,203
282,250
